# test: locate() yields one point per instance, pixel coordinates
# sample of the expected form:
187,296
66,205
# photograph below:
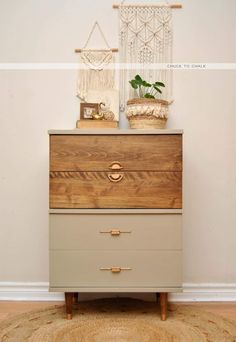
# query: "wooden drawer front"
147,268
135,190
134,152
86,232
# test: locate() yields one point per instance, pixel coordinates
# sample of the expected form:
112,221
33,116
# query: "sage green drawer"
72,269
130,231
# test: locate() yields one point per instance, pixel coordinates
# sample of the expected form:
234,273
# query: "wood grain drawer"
147,189
134,152
83,268
94,231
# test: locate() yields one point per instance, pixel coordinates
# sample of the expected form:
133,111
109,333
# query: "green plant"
145,89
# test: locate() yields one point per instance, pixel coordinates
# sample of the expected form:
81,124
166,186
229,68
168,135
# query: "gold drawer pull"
114,232
115,165
115,177
115,269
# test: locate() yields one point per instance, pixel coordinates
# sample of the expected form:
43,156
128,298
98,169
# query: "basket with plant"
146,110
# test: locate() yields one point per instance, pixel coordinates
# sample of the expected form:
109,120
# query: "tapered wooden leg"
163,304
69,296
76,297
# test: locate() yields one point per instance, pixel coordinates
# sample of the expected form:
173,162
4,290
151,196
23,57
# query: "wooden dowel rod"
176,6
113,50
149,5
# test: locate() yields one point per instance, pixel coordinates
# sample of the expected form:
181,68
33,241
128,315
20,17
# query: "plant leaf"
133,84
138,80
149,96
159,84
157,89
146,84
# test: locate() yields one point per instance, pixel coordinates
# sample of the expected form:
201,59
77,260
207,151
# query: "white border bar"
119,66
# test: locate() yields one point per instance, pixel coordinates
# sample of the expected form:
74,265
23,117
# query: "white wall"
31,102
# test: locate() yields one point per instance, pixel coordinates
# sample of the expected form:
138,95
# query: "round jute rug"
118,320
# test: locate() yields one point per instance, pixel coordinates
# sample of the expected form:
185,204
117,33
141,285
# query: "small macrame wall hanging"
145,40
96,77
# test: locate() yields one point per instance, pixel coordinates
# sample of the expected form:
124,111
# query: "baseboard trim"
206,292
38,291
28,291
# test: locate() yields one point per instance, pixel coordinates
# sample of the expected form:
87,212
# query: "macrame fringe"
92,79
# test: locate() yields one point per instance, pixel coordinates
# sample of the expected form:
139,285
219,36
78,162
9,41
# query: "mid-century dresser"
115,212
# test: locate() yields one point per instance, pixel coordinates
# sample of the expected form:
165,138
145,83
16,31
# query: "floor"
7,308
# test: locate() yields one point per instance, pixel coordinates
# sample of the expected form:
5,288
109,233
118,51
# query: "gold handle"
115,232
115,165
115,177
115,269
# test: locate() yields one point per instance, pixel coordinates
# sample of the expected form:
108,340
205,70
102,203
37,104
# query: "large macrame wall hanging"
145,39
95,73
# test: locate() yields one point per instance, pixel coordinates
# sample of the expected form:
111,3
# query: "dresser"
115,215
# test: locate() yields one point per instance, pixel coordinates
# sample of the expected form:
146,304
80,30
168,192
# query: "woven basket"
147,113
146,121
143,100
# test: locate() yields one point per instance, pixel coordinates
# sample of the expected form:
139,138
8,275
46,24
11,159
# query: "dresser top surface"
114,131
